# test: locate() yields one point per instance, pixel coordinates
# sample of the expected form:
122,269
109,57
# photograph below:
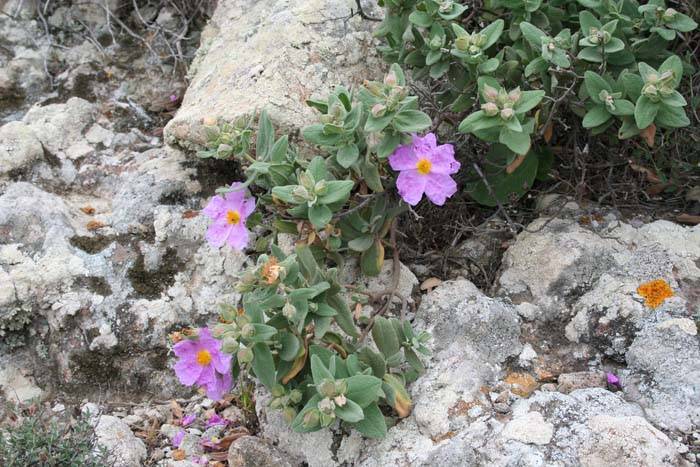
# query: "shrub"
608,62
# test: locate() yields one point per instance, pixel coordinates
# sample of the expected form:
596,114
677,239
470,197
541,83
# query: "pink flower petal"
411,186
219,386
218,233
215,208
188,371
238,237
439,187
177,439
247,208
236,196
185,347
403,158
424,145
443,160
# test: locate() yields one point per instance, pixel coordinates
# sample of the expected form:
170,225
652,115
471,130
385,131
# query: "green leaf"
673,64
622,107
363,389
411,121
588,21
682,23
538,65
489,66
590,54
518,142
615,45
264,365
319,372
373,425
596,116
505,187
671,117
350,412
420,18
492,32
675,100
372,259
347,155
278,152
413,360
265,138
646,71
439,69
290,346
594,84
315,134
533,34
374,360
385,337
479,121
528,100
338,190
387,145
320,215
362,243
375,124
344,316
645,111
284,193
433,56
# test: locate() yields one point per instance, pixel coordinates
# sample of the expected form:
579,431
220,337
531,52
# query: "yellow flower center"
203,357
423,166
233,217
655,292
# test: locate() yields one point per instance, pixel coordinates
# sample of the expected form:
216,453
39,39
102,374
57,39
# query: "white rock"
15,385
530,428
97,134
684,324
19,147
79,149
125,449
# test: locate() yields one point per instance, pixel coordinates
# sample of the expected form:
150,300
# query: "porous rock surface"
285,53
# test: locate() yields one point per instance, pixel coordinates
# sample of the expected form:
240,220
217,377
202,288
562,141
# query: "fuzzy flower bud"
515,95
378,110
341,387
669,14
326,406
446,6
311,418
230,345
277,390
248,330
490,94
245,355
340,400
327,388
289,310
490,109
462,43
301,194
507,114
551,46
295,396
289,414
390,79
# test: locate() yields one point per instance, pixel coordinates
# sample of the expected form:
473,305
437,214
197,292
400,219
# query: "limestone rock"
58,126
19,147
125,449
250,451
285,53
529,428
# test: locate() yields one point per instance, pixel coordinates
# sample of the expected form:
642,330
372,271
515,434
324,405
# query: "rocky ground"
102,255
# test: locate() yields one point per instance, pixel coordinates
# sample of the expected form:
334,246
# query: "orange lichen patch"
190,214
94,225
655,292
178,455
461,408
522,384
271,270
89,210
442,437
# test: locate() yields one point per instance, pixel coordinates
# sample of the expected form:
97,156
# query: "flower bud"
436,42
321,188
605,36
277,390
224,150
327,388
480,40
378,110
390,79
340,400
327,418
230,345
289,414
515,95
650,90
669,14
490,94
507,114
326,406
408,35
295,396
490,109
462,43
446,6
551,46
301,194
311,418
289,310
276,403
248,330
245,355
665,91
593,35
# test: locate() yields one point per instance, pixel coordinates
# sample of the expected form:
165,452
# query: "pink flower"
613,380
215,420
425,167
177,439
229,213
188,419
202,362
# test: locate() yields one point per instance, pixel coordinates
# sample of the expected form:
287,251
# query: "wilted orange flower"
655,292
271,270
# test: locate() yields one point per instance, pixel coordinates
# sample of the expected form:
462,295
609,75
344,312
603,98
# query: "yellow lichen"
655,292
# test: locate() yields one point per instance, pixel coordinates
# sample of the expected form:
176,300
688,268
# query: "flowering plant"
293,329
